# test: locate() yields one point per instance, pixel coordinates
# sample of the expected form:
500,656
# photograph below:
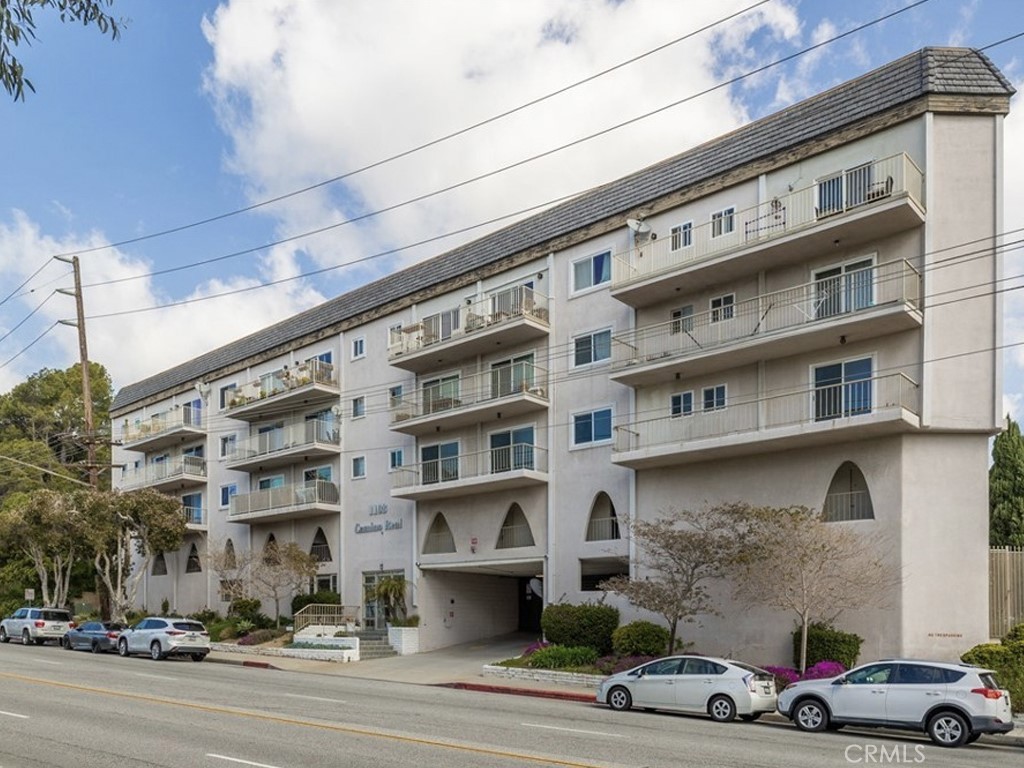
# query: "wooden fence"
1005,589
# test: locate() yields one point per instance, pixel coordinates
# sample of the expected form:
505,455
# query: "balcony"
164,429
852,206
196,518
286,502
854,410
286,445
467,474
505,319
171,474
504,392
863,303
310,383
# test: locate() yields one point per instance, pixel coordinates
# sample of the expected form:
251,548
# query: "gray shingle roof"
945,71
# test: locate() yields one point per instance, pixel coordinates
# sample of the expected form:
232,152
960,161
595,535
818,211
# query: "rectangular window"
192,503
227,394
358,467
228,445
226,492
359,348
681,404
682,320
592,348
845,288
358,407
511,376
268,483
592,427
682,236
723,222
842,389
722,307
714,397
512,449
441,394
441,326
439,463
395,396
591,271
396,459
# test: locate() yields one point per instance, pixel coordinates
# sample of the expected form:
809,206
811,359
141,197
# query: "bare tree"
680,554
232,570
280,571
798,562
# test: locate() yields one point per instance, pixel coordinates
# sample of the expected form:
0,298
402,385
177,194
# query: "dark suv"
36,625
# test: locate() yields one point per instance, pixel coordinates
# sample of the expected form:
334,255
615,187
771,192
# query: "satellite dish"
537,587
639,227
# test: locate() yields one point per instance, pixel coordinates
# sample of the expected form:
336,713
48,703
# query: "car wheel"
948,729
810,715
95,647
25,637
122,647
619,699
3,635
751,717
65,643
154,651
197,656
722,709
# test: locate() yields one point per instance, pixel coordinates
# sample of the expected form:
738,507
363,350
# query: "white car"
36,625
161,637
721,688
953,703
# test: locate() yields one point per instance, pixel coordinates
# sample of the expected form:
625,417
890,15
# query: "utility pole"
83,353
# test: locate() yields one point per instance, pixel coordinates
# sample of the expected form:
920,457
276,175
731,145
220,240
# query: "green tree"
18,25
1006,488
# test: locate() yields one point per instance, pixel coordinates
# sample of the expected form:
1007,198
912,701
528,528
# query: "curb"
243,663
585,698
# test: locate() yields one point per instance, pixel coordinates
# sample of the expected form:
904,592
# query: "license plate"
58,627
191,637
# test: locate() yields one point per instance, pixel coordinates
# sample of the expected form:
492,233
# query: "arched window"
439,538
194,565
515,531
229,555
159,565
320,549
603,524
848,497
270,554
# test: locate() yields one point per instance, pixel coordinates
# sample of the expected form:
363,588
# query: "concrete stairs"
373,644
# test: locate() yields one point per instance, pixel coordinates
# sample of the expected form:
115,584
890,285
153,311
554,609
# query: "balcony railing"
819,301
603,529
848,505
321,552
494,310
841,192
823,405
286,379
439,543
513,536
173,419
287,438
179,467
438,397
492,463
285,497
195,516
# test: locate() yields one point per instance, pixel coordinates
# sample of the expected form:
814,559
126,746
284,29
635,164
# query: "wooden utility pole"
83,353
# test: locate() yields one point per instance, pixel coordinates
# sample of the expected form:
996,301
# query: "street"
64,708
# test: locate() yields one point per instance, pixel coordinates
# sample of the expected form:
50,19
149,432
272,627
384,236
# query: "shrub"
207,616
222,629
535,646
825,643
784,676
640,638
1015,635
412,620
562,657
587,625
245,608
258,636
244,626
823,670
165,607
988,655
326,597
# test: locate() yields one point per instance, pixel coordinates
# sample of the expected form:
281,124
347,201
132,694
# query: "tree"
47,527
795,561
279,572
125,532
390,592
17,25
681,553
1006,488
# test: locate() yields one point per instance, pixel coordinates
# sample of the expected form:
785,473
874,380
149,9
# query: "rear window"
989,681
56,616
189,626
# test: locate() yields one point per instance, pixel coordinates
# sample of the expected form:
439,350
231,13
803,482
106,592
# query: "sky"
400,120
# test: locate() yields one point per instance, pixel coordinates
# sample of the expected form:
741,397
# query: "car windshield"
189,626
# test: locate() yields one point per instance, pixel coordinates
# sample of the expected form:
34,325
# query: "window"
682,320
592,348
604,523
591,271
359,348
268,483
515,531
512,449
396,459
681,236
723,222
358,467
159,565
358,407
439,463
842,389
681,404
722,307
395,396
193,564
511,376
441,326
714,397
320,549
590,579
324,357
192,503
310,476
439,538
441,394
845,288
193,450
395,335
226,492
227,393
848,497
228,445
592,427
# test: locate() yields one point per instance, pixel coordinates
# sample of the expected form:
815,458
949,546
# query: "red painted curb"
586,698
258,664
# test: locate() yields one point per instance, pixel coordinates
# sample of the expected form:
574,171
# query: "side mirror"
840,681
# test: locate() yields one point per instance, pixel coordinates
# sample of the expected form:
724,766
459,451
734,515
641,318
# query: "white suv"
36,625
953,703
161,637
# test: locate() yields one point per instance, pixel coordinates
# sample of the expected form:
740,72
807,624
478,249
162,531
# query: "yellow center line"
348,729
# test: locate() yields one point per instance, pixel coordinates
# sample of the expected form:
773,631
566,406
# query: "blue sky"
203,108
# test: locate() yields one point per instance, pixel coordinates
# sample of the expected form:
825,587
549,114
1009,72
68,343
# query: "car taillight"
40,624
988,693
749,680
72,624
113,635
174,632
205,634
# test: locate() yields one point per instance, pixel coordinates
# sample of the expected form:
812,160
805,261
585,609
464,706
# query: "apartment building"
799,312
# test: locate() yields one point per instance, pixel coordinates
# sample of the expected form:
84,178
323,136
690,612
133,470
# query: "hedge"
640,638
825,643
580,625
562,657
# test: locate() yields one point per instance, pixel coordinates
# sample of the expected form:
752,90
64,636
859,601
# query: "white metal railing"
493,310
323,615
806,406
297,495
321,552
297,435
165,421
847,505
439,543
194,515
437,396
837,193
512,536
603,529
282,380
159,471
492,462
818,301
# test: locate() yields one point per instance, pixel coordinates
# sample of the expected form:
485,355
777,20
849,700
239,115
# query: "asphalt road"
75,709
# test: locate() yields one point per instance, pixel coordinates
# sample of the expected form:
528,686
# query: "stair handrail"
325,614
